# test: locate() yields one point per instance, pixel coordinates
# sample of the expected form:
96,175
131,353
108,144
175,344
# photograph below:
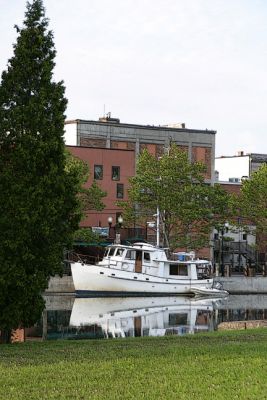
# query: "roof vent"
107,118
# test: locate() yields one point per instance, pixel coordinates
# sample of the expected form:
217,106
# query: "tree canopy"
189,207
39,207
90,198
251,205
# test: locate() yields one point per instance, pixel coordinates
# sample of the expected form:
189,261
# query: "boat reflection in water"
154,316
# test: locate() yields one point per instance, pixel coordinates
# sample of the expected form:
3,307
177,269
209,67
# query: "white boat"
143,316
141,270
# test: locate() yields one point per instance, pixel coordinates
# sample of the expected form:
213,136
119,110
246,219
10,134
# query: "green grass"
220,365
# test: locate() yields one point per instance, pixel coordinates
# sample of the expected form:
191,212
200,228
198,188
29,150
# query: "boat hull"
91,280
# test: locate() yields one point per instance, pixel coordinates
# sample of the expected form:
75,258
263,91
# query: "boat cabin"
151,260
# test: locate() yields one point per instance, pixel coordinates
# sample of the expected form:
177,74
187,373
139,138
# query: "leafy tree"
39,207
251,205
87,235
90,198
188,206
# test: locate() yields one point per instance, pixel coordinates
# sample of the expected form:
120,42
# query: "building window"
115,173
119,190
98,172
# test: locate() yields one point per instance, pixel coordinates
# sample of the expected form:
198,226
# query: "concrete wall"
232,167
244,284
61,285
59,301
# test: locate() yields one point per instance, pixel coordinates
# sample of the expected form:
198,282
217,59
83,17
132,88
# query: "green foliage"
86,235
189,207
39,208
90,198
219,365
252,203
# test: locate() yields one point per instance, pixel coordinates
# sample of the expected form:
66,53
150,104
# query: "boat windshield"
110,251
114,251
119,252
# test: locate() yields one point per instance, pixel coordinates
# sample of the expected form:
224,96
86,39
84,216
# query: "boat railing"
204,271
72,256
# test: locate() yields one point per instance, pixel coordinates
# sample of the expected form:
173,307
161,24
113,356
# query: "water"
78,318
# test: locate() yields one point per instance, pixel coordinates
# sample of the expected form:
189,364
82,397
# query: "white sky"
202,62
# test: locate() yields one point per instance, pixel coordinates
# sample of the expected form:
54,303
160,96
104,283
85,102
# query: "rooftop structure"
233,169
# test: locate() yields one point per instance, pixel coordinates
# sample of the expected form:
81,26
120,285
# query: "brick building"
110,133
110,147
111,168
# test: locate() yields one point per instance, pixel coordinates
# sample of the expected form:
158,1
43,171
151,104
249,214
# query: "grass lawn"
219,365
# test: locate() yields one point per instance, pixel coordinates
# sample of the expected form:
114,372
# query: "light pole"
118,230
110,220
223,230
120,221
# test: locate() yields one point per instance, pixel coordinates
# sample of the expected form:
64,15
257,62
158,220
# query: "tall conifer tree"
38,202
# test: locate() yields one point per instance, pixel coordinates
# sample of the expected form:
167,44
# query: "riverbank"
233,284
217,366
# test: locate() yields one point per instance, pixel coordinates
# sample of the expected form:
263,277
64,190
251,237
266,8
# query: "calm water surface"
78,318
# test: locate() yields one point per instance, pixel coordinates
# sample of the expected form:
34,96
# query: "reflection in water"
75,318
123,317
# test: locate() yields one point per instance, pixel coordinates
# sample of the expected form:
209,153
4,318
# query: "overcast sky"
202,62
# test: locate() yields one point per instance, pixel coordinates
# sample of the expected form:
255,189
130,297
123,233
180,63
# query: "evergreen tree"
39,209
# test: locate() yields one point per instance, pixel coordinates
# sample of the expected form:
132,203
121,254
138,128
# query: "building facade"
241,166
109,146
110,133
111,169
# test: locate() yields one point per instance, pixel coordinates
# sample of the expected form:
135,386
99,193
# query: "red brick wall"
231,188
203,154
108,158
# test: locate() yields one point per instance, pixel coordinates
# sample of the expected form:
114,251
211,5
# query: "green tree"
251,205
90,198
39,207
189,208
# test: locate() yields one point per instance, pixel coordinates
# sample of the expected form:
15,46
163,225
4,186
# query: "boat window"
177,319
146,257
178,269
112,251
131,254
106,252
119,252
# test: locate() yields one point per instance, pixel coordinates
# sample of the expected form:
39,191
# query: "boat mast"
158,215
